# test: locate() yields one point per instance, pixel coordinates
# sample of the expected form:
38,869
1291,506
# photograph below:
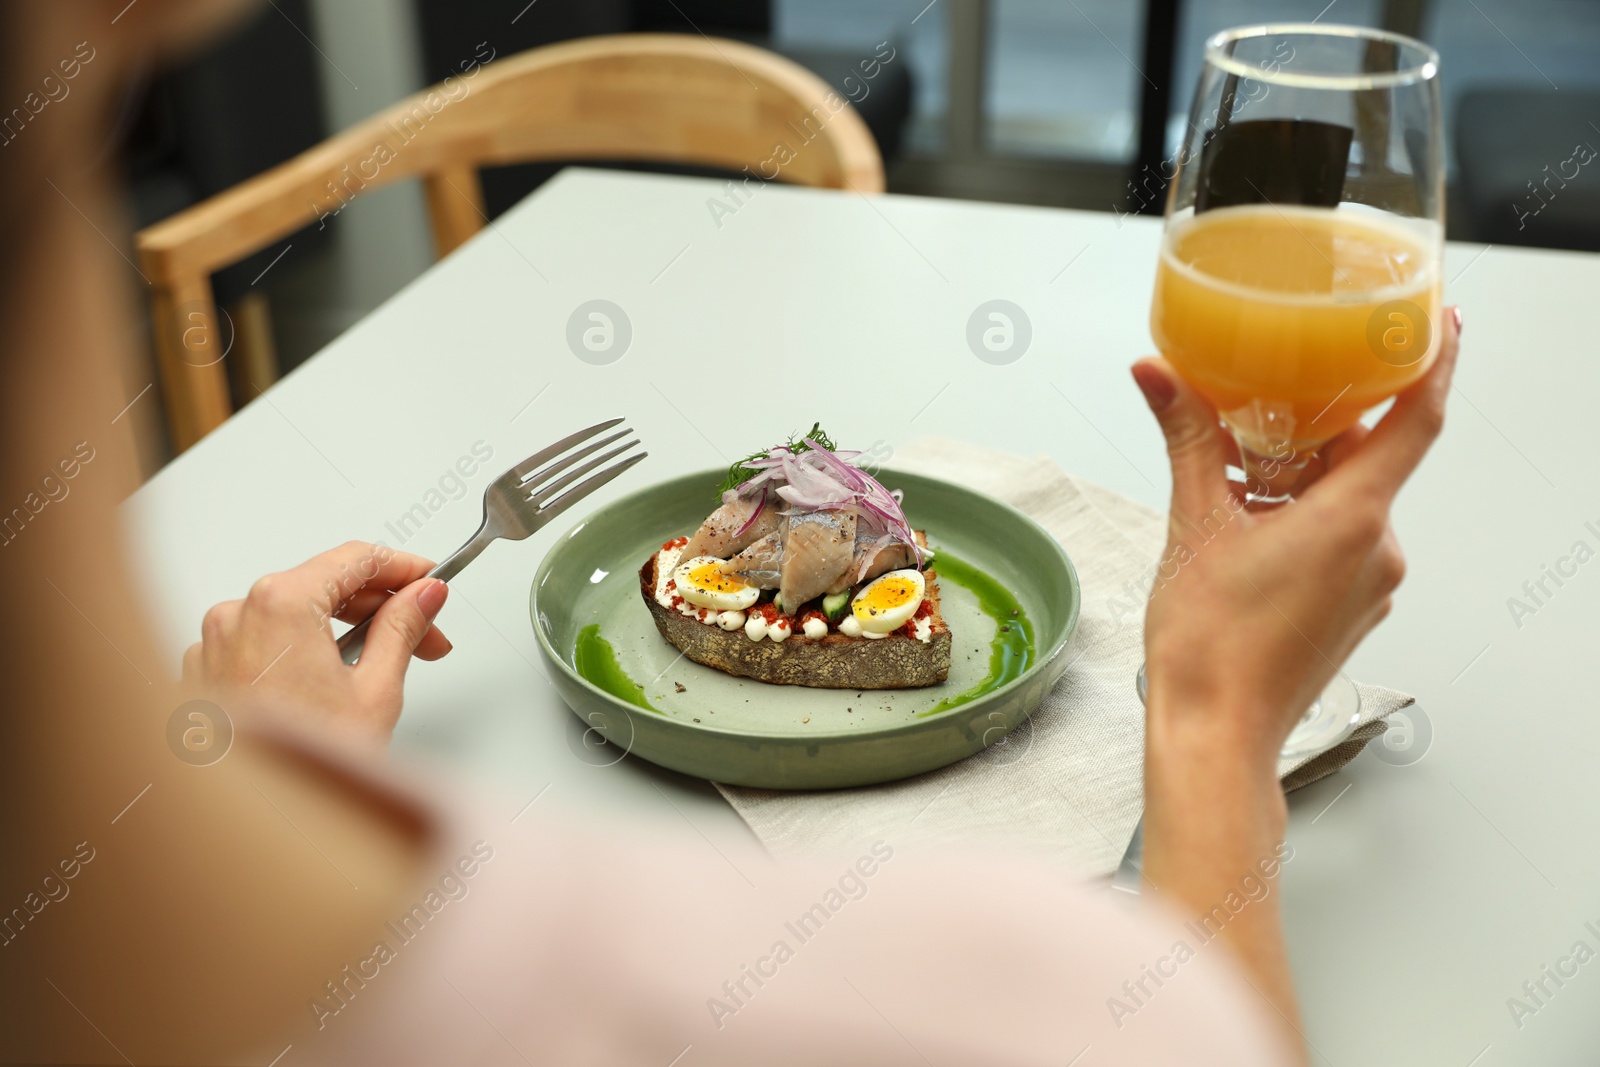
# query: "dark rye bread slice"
832,662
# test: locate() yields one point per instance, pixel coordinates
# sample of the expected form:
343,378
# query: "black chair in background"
1529,167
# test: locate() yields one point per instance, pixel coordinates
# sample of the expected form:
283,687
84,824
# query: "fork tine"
532,462
561,463
583,489
548,492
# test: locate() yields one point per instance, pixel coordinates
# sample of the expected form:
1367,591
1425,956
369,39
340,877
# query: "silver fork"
522,500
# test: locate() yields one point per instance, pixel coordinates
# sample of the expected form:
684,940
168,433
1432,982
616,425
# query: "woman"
195,923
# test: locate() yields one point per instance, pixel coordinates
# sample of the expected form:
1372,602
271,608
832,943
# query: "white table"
1420,898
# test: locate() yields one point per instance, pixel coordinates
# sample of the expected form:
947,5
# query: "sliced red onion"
820,479
873,497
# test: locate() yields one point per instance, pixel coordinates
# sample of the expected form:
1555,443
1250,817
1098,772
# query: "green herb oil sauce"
1011,651
596,661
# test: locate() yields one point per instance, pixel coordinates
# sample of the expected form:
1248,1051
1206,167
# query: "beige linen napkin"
1068,782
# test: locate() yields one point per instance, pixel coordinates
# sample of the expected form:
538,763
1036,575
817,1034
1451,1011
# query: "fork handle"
353,640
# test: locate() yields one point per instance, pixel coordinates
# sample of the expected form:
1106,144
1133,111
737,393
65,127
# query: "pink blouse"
546,942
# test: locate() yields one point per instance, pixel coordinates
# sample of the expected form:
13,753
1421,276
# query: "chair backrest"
645,97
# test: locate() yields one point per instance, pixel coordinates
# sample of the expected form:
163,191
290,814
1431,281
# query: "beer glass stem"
1271,479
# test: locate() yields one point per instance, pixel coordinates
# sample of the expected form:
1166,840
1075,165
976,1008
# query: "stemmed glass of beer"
1299,282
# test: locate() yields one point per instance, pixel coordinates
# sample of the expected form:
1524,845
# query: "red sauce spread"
676,542
768,612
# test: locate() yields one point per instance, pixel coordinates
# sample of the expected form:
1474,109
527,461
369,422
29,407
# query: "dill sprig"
738,474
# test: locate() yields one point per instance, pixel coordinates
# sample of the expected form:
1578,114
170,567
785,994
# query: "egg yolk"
709,576
885,595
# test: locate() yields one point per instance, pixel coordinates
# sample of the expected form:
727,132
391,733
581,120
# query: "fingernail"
431,599
1455,313
1157,388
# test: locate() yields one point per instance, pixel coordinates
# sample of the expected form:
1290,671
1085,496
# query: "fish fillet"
719,535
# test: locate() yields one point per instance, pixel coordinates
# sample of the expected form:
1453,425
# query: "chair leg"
253,362
189,357
455,206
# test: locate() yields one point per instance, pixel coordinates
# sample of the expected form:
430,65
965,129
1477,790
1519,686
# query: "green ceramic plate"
744,732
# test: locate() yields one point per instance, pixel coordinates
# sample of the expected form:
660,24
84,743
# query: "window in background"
1202,18
1062,78
1540,45
916,27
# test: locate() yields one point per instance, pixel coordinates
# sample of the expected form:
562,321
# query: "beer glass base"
1270,480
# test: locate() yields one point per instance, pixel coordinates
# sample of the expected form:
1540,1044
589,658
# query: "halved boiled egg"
700,581
889,601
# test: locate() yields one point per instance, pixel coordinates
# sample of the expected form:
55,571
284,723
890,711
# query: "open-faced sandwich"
808,574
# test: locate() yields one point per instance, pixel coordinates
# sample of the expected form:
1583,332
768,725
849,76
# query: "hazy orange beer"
1294,320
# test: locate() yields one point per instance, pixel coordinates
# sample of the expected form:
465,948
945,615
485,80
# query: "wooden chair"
648,97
